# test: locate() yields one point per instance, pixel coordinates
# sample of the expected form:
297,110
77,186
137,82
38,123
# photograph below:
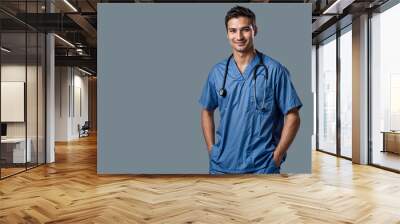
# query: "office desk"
391,141
13,150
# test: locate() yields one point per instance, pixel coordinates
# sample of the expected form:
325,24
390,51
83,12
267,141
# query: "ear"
255,30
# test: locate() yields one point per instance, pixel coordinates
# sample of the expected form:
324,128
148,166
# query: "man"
259,115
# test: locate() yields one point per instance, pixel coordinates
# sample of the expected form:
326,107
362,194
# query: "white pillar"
360,90
50,91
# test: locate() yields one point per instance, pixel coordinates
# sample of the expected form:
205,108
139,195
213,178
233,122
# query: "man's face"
241,34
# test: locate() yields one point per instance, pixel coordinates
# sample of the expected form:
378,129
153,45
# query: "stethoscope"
222,91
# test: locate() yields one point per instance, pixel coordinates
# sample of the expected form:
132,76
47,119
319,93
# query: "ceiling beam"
85,61
83,23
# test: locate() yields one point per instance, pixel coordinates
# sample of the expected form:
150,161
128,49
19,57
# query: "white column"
50,91
360,90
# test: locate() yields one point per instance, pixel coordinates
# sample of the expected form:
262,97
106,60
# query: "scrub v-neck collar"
235,72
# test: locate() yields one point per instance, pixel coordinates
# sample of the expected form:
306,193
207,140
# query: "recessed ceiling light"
70,5
5,49
64,40
332,7
84,71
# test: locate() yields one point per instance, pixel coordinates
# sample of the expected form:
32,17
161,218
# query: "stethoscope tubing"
223,92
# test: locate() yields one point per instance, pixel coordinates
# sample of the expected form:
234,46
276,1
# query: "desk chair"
84,130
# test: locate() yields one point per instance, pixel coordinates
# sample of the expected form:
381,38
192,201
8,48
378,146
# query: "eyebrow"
244,27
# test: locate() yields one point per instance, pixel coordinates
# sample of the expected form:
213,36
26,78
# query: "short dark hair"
239,11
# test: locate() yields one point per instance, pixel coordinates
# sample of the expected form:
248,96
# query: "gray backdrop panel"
153,60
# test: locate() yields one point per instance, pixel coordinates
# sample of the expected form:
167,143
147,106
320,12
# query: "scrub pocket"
213,152
264,120
271,168
213,156
276,169
262,116
267,98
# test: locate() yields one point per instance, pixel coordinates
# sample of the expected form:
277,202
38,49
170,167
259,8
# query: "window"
385,88
346,92
327,95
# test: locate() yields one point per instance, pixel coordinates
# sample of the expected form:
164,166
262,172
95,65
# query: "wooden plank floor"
70,191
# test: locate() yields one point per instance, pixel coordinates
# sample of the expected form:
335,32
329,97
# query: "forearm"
207,124
289,131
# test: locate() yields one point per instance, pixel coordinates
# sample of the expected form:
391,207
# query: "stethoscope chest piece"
222,92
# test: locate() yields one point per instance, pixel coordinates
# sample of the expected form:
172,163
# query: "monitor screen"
3,129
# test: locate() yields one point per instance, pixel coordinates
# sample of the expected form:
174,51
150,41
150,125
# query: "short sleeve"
209,98
285,93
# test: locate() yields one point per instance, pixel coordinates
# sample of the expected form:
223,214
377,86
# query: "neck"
244,58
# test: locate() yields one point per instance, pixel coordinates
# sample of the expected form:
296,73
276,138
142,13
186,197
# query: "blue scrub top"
246,137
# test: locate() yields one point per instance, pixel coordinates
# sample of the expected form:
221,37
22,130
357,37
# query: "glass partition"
31,100
14,153
41,85
22,88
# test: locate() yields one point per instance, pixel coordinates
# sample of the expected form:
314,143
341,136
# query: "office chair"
84,130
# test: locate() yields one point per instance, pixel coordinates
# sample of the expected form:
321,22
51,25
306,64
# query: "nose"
240,35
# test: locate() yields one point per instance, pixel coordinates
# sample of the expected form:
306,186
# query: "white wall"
79,111
62,80
33,126
16,72
71,94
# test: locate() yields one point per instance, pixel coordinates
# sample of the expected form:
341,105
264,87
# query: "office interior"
49,80
373,84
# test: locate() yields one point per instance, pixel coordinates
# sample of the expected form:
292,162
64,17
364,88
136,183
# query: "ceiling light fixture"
330,8
79,51
70,5
337,7
64,40
84,71
5,49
